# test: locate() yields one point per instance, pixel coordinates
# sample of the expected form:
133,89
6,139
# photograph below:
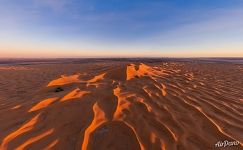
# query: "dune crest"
99,118
75,94
123,105
97,78
137,71
34,139
51,145
65,80
16,107
43,104
23,129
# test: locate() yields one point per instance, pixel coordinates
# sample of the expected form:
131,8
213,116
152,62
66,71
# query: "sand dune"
121,106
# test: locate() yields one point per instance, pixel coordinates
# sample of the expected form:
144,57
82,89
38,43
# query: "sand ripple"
129,106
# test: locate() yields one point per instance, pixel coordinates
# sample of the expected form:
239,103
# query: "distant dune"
121,105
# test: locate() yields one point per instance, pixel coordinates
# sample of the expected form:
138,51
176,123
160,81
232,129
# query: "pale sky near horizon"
121,28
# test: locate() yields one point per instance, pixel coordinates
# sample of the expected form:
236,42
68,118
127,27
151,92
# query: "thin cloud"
55,5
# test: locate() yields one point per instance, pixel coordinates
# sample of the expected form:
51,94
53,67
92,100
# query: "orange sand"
43,104
121,106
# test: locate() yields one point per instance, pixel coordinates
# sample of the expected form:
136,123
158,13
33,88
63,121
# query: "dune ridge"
169,106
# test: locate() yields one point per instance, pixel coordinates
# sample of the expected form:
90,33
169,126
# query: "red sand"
121,106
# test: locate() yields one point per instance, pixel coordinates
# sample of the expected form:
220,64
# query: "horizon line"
117,57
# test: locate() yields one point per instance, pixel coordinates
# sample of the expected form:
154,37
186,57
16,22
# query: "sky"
121,28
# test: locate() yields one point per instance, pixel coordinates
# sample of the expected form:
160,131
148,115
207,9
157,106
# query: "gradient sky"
121,28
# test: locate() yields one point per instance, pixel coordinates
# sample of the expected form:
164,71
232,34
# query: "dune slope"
121,105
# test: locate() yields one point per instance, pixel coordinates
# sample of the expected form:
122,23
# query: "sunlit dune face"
51,145
43,104
16,107
97,78
34,139
131,71
131,106
64,80
141,70
122,104
75,94
23,129
134,71
99,118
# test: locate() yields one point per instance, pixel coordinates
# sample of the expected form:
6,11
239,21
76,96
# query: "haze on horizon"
121,28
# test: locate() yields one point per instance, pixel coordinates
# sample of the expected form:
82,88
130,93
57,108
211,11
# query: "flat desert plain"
121,105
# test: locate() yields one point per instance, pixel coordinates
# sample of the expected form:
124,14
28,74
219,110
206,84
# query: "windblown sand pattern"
121,106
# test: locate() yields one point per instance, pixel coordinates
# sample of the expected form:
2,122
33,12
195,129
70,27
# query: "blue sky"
121,28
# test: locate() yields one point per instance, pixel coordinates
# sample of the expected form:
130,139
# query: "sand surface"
121,105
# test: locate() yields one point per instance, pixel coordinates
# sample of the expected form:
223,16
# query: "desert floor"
121,105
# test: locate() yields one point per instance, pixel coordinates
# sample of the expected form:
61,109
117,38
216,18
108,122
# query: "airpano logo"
226,143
